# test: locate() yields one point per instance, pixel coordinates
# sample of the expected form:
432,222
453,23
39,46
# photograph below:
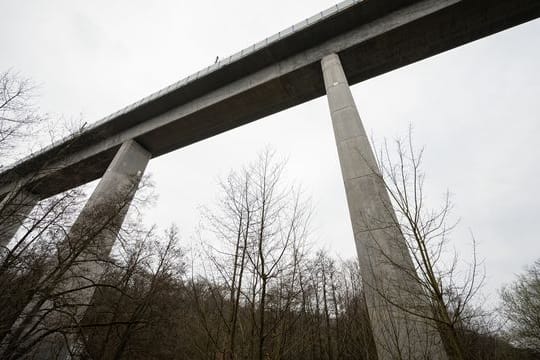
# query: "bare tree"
17,112
69,273
426,232
261,228
521,307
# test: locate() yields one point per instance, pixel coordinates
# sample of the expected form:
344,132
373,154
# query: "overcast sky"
476,110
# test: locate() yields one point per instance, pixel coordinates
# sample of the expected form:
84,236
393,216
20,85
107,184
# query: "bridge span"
371,37
346,44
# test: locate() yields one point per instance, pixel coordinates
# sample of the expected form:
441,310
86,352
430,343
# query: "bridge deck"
371,36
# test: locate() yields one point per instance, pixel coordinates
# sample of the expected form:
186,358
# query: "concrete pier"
14,209
279,72
82,255
98,223
388,274
93,234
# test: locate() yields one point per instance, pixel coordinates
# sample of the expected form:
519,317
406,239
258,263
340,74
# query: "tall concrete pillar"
93,234
391,285
96,227
14,209
81,256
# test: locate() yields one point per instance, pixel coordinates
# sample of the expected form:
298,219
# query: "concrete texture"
371,37
14,209
103,214
93,234
388,274
84,252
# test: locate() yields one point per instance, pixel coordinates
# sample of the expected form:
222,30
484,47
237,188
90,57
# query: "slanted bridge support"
391,287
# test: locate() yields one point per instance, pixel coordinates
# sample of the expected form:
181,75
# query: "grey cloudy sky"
476,110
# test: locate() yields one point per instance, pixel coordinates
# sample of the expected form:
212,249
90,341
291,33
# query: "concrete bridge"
324,54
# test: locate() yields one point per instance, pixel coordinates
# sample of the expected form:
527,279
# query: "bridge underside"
371,37
350,43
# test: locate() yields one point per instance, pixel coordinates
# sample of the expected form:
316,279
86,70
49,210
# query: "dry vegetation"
254,289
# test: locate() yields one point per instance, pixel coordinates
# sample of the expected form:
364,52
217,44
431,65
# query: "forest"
252,285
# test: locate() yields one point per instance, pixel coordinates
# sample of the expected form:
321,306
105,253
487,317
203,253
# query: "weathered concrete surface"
371,37
388,274
103,214
93,234
82,255
14,209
